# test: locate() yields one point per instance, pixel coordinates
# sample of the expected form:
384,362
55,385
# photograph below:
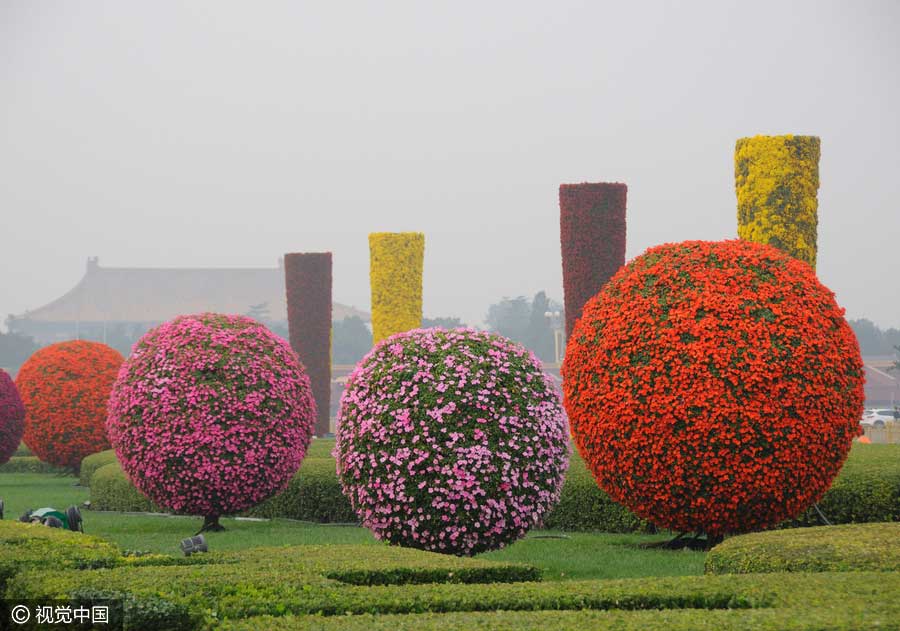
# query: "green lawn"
559,556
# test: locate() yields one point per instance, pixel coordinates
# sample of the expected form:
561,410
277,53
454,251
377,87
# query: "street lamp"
559,339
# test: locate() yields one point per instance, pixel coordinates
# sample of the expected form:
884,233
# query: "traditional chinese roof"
135,294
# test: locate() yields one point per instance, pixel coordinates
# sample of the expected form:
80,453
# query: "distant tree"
351,338
444,323
526,323
510,317
15,348
897,361
870,337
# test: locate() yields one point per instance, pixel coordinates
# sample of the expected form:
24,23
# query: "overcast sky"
221,134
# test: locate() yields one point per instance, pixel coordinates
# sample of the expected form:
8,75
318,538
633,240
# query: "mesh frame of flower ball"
714,387
65,388
452,441
211,414
12,417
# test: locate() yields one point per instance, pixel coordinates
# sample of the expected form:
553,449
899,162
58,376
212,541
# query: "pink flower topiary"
211,414
451,441
12,417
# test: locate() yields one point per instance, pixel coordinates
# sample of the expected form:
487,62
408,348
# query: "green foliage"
93,462
28,464
313,494
584,506
111,490
28,546
866,490
854,547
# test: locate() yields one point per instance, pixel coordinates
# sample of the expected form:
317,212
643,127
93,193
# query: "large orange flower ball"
714,387
65,388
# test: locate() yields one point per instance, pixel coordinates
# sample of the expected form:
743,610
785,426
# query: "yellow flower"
395,275
777,181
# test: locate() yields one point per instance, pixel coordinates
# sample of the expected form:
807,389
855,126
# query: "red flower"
65,388
714,387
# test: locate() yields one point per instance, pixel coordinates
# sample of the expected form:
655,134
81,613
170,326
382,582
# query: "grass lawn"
559,556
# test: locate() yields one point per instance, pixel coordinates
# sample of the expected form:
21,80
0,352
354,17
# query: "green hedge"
852,547
28,546
584,506
111,490
29,464
314,494
867,490
93,462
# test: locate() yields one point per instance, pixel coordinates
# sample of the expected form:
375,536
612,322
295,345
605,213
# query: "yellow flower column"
777,180
395,275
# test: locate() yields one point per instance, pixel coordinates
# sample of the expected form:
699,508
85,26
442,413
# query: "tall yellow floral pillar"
777,182
396,260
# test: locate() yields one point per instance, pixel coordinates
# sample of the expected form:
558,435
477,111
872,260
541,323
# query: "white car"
877,417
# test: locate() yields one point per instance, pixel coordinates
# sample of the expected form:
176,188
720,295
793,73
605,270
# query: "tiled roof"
129,294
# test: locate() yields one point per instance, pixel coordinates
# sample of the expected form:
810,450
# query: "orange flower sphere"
714,387
65,388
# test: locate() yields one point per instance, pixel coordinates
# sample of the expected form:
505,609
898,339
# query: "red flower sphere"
12,417
65,388
714,387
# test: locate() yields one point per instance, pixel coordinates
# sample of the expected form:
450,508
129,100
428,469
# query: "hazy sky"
219,134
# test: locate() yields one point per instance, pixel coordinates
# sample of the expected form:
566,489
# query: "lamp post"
555,318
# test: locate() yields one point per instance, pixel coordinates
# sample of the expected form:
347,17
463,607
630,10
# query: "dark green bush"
111,490
29,464
313,494
851,547
93,462
867,490
585,506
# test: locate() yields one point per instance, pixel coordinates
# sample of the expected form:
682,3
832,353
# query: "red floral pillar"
307,278
592,236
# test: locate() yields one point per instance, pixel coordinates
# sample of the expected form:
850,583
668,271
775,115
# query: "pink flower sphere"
211,414
12,417
451,441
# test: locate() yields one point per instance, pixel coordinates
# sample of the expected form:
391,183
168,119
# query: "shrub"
866,490
313,494
65,388
29,464
395,261
452,441
12,418
855,547
592,235
111,490
308,281
211,414
93,462
584,506
34,546
777,179
714,387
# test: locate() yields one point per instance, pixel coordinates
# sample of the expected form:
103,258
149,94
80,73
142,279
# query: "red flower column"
592,236
307,279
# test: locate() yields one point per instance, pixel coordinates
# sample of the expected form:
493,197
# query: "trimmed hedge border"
91,463
29,464
851,547
866,490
